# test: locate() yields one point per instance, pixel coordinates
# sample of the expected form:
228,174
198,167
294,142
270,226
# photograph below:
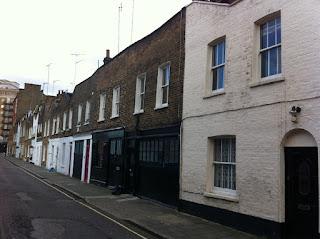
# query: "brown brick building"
121,126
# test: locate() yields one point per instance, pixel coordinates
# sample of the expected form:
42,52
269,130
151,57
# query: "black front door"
116,164
301,172
77,161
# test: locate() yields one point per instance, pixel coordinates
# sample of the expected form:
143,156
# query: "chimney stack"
107,59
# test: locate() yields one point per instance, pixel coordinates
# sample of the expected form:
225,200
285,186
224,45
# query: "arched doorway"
301,185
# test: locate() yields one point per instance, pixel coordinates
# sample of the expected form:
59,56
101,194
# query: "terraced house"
250,142
121,126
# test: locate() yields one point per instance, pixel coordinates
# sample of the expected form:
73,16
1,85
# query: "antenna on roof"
120,10
132,20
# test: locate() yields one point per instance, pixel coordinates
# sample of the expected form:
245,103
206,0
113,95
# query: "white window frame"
268,49
229,191
70,119
79,115
45,129
215,67
64,121
53,126
102,107
87,113
48,129
162,87
58,124
140,93
115,102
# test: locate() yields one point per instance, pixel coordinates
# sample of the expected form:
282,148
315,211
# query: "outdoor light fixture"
294,111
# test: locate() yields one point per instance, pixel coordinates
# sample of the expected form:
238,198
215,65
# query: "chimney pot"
108,53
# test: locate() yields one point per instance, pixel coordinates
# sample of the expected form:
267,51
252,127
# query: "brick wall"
145,56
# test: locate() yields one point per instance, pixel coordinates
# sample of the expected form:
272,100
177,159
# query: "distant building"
8,91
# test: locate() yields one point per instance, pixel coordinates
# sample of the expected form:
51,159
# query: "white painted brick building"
250,104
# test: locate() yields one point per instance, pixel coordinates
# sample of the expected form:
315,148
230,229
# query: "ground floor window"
161,150
224,163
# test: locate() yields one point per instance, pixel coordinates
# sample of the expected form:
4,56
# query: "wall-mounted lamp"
294,112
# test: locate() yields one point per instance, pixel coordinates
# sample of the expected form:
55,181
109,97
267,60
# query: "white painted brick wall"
258,116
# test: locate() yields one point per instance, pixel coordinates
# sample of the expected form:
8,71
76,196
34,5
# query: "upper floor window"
48,129
140,92
70,118
58,125
270,47
102,107
162,97
115,102
53,126
64,121
217,66
79,114
87,114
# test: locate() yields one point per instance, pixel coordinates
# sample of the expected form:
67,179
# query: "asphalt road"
31,209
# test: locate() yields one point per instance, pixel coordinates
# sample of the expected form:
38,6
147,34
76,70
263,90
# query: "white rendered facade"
251,109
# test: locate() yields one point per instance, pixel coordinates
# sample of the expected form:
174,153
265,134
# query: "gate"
158,170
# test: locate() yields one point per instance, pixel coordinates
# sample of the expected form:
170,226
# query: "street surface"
31,209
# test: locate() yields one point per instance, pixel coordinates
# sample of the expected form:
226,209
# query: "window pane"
225,150
214,73
165,77
156,151
263,32
278,20
220,77
161,153
264,64
119,147
142,85
271,33
217,149
113,147
217,175
220,52
233,151
165,94
213,62
141,101
152,151
279,60
273,61
144,150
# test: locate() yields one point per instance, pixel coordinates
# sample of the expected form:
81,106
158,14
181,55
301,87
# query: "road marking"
87,206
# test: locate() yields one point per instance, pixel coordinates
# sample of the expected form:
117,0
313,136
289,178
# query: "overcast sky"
35,33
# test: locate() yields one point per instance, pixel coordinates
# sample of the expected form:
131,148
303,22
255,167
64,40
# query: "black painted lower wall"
250,224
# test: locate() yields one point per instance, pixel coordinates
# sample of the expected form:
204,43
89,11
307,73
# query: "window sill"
101,120
78,125
267,80
114,117
227,197
138,112
86,123
215,93
161,107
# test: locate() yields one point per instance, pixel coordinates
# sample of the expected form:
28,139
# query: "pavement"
155,219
